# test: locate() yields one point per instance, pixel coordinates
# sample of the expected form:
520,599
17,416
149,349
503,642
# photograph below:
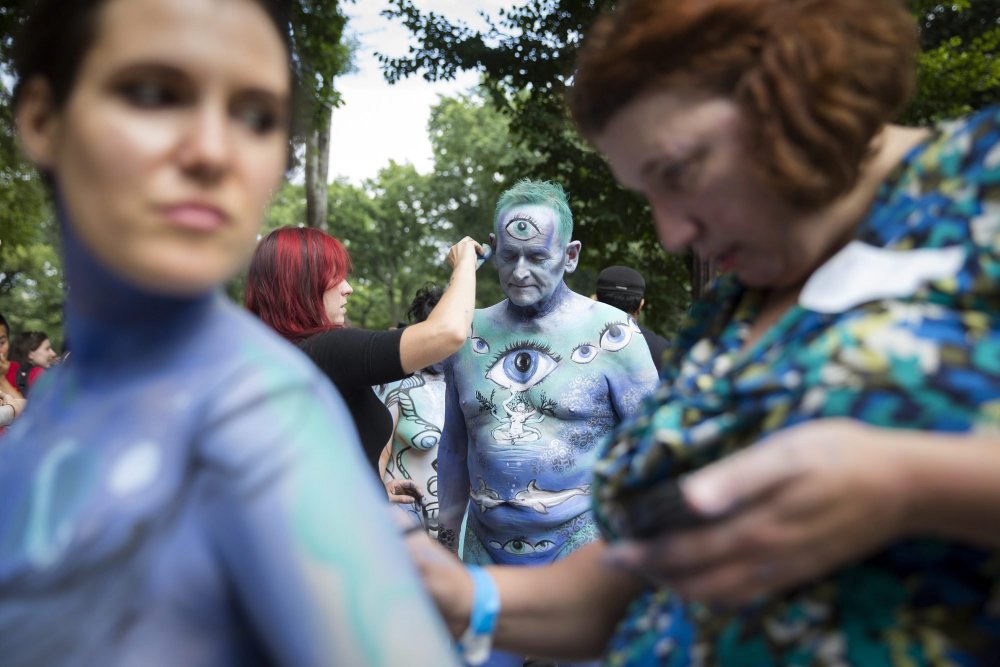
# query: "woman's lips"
196,217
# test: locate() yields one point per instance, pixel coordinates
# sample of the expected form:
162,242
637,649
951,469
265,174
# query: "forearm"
383,459
566,610
950,481
448,325
7,414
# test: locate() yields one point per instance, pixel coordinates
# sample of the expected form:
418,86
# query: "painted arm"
453,468
447,327
564,610
305,536
817,496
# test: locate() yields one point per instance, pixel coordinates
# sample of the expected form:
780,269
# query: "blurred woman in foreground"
170,496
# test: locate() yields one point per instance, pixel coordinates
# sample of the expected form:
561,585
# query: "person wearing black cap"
623,288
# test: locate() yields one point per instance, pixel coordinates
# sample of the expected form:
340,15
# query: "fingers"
403,491
743,477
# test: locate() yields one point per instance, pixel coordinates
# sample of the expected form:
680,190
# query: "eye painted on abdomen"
615,336
480,346
522,547
522,366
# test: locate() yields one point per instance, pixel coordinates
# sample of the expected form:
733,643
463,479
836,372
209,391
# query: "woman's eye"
150,94
522,368
480,346
259,120
615,336
584,354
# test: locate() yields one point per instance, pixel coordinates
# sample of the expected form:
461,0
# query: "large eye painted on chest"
522,228
584,354
615,336
522,366
480,346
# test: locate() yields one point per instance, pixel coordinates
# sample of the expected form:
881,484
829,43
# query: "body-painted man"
544,376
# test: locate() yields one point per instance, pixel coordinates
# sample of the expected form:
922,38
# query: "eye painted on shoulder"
522,228
522,547
522,365
584,353
479,345
615,336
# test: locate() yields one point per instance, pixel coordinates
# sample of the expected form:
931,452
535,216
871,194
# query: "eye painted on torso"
523,365
584,353
426,439
522,228
479,345
522,547
615,336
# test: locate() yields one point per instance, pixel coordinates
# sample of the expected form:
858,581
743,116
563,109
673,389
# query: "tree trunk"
702,273
317,169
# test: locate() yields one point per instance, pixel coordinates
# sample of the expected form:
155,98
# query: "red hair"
816,79
291,269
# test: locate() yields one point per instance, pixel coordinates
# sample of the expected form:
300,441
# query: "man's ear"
642,302
37,122
572,255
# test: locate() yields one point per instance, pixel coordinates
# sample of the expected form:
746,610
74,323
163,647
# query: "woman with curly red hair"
298,286
806,485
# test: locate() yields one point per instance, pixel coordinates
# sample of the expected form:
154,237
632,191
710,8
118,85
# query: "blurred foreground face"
531,254
686,153
172,139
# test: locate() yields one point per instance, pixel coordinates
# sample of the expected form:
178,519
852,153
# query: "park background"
509,123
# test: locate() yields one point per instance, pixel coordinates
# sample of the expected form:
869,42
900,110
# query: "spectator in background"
33,355
408,466
5,385
623,288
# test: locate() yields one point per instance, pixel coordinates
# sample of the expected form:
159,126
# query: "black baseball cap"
620,280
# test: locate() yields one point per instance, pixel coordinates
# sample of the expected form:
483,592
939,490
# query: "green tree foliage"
526,58
475,160
959,66
324,54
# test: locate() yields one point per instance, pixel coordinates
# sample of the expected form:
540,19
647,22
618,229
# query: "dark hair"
57,34
3,323
621,300
26,343
290,270
816,80
423,303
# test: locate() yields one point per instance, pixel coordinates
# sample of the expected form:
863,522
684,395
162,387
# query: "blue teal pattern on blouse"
928,360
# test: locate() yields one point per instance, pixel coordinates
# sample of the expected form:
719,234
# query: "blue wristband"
477,641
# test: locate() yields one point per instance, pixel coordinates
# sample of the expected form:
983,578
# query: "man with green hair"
544,376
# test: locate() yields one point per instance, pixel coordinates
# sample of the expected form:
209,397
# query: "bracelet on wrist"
476,642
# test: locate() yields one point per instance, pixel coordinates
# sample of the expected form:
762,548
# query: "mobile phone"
657,509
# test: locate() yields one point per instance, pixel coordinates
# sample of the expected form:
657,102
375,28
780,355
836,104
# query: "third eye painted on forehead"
522,227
